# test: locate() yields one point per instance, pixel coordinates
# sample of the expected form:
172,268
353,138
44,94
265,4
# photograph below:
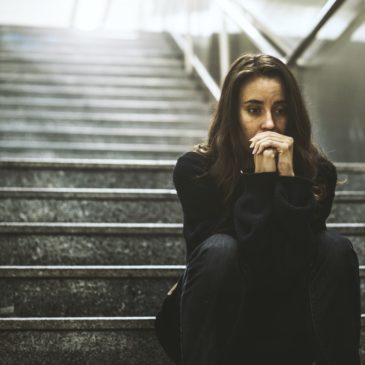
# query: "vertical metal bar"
107,7
188,54
140,16
224,50
73,15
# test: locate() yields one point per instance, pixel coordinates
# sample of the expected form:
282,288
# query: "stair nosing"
125,193
89,271
129,228
87,193
123,163
74,323
88,146
91,228
87,164
84,323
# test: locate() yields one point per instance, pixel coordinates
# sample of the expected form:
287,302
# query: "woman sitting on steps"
265,281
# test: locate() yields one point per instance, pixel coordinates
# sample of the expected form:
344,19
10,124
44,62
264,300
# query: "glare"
89,14
359,34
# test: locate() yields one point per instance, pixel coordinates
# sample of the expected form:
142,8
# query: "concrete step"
351,176
100,44
85,340
349,206
98,119
108,70
101,92
73,173
60,149
113,340
119,173
113,81
86,51
76,291
135,106
91,244
50,32
89,205
64,116
126,205
79,39
112,243
101,134
46,58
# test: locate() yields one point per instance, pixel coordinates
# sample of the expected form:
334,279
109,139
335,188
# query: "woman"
265,282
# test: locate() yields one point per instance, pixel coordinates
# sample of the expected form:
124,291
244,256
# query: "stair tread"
20,192
96,146
106,228
72,323
84,163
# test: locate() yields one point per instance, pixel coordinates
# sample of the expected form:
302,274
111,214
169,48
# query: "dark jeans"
221,313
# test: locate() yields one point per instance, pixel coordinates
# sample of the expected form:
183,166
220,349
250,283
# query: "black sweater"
274,218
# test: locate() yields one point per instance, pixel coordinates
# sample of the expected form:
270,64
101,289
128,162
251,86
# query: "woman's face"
262,106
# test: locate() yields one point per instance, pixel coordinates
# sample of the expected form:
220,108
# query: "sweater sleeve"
253,223
203,211
293,211
276,218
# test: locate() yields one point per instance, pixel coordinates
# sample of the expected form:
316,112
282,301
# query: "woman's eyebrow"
253,101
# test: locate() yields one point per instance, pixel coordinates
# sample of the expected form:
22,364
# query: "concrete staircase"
90,230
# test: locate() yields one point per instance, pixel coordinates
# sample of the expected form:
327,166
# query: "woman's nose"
268,123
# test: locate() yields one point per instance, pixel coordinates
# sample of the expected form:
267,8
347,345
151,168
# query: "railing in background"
260,35
229,12
325,14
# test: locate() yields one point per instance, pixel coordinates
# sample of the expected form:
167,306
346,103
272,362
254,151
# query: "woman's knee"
218,253
336,253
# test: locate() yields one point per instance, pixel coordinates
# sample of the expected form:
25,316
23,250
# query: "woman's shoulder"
192,157
190,164
326,170
192,161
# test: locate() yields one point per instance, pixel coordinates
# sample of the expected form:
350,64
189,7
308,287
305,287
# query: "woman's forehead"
262,87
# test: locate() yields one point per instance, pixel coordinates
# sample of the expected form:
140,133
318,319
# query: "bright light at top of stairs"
89,14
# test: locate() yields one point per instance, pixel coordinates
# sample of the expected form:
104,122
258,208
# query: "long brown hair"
224,148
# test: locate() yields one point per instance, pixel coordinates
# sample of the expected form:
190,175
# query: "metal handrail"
230,8
199,68
276,42
325,14
264,40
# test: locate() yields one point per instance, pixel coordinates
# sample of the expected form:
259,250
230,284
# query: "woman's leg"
334,298
212,295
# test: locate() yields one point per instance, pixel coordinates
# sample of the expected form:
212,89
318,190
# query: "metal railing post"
188,52
107,7
73,15
224,50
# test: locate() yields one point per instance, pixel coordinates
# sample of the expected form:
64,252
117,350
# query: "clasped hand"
273,152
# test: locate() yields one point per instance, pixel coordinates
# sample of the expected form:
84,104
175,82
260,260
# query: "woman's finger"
274,138
286,141
266,134
278,145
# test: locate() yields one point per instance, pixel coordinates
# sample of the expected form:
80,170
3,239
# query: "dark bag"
167,323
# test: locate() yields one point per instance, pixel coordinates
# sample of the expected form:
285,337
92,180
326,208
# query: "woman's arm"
253,224
276,218
203,211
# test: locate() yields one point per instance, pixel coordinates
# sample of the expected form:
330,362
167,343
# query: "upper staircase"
90,232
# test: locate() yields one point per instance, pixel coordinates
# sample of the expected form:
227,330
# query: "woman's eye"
280,111
253,110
